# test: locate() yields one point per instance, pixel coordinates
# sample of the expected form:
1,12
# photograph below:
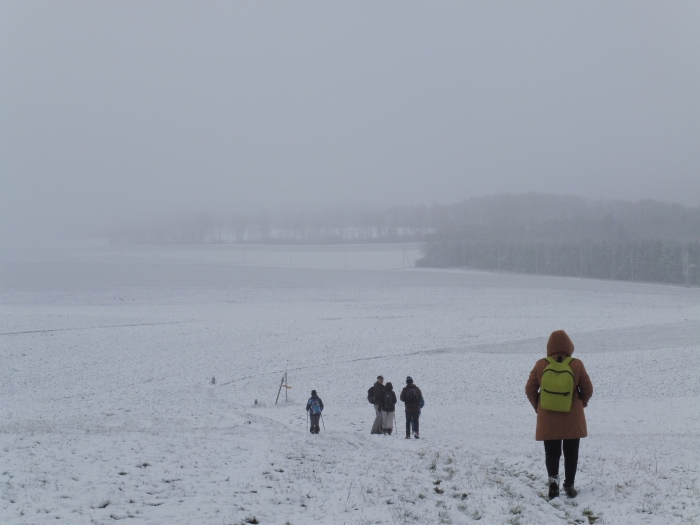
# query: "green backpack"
557,388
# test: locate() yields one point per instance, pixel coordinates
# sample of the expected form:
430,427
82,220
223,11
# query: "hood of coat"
559,344
389,387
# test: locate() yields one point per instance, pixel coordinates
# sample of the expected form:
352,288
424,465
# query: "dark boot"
553,487
389,431
408,436
571,492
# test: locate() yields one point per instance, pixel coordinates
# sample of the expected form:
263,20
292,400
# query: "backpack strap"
566,361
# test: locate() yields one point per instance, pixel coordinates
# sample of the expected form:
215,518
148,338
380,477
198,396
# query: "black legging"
552,451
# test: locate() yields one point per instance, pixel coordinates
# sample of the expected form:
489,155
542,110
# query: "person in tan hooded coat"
561,428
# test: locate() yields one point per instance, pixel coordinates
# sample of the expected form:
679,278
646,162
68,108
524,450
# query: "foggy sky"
119,110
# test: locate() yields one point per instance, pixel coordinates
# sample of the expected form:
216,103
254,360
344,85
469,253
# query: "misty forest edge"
645,241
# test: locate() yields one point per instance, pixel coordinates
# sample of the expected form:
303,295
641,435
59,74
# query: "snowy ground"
107,410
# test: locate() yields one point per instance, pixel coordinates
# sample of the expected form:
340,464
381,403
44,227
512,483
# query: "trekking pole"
307,419
324,425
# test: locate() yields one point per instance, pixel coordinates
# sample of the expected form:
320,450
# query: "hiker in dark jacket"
413,398
560,429
314,407
375,394
388,408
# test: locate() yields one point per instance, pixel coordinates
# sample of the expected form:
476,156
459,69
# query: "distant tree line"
654,260
528,233
569,236
398,224
539,217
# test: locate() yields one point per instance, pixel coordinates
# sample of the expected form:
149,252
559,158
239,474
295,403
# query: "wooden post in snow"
280,390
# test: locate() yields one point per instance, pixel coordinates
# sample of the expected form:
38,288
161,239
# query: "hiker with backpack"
388,408
413,399
374,396
558,389
314,407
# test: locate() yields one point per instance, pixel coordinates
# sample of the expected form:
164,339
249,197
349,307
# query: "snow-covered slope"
107,410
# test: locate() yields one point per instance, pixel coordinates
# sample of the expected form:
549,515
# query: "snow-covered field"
107,411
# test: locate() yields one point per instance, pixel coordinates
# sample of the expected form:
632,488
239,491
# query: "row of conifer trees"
662,261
